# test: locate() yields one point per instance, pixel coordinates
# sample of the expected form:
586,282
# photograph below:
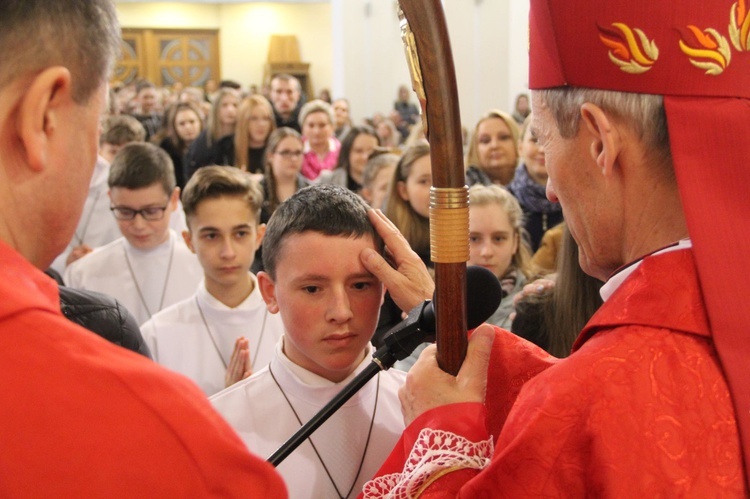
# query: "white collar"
152,253
310,378
614,282
214,306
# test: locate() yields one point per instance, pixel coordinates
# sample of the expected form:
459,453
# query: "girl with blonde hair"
497,243
255,123
408,204
493,155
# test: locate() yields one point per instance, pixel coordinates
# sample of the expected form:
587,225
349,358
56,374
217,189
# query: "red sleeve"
514,361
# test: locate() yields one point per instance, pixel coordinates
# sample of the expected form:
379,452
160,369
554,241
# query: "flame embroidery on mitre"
629,48
739,26
706,50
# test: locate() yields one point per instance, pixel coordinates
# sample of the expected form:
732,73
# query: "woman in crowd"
552,313
496,243
408,207
377,176
355,150
184,124
493,151
283,165
408,204
255,122
341,118
321,147
282,176
215,144
388,133
529,187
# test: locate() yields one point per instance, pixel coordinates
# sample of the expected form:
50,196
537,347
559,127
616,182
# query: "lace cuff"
435,454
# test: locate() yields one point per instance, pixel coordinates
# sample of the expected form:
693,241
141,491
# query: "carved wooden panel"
167,56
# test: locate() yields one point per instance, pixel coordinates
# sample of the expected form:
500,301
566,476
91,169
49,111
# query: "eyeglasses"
150,213
289,154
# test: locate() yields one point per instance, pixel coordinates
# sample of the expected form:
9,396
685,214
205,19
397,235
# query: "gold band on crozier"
449,224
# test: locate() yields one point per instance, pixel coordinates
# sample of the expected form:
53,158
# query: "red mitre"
697,55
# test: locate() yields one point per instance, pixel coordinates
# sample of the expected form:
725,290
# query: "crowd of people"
286,142
260,245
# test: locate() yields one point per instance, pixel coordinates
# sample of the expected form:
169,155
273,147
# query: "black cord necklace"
216,346
367,442
166,280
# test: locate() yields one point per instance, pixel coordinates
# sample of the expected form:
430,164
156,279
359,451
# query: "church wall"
354,46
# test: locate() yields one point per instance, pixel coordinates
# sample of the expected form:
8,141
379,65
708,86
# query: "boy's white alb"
108,270
178,338
259,412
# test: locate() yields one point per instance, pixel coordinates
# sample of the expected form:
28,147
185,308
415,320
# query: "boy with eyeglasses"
97,226
150,267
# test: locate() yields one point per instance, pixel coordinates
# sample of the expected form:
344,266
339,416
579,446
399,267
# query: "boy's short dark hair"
212,182
140,164
327,209
122,129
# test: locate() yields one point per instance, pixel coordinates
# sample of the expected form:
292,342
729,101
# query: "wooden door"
167,56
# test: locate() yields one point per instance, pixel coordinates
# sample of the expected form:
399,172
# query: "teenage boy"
117,131
224,331
97,226
329,304
150,267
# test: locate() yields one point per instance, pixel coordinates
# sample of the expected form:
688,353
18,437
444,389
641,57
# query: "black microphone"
482,299
483,296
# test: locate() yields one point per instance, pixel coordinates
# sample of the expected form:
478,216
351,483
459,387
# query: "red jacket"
81,417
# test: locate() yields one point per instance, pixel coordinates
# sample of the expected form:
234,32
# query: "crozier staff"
430,60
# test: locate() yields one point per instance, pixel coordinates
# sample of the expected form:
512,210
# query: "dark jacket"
291,122
178,159
104,316
200,154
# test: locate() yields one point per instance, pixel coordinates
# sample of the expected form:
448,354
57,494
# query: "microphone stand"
399,344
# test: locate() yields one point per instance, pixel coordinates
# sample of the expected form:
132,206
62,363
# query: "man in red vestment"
81,417
643,107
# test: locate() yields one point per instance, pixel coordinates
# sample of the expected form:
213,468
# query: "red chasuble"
640,409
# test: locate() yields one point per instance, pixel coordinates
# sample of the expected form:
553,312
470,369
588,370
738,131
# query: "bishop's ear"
605,136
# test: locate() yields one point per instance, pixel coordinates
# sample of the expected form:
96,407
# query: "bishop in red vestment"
642,107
